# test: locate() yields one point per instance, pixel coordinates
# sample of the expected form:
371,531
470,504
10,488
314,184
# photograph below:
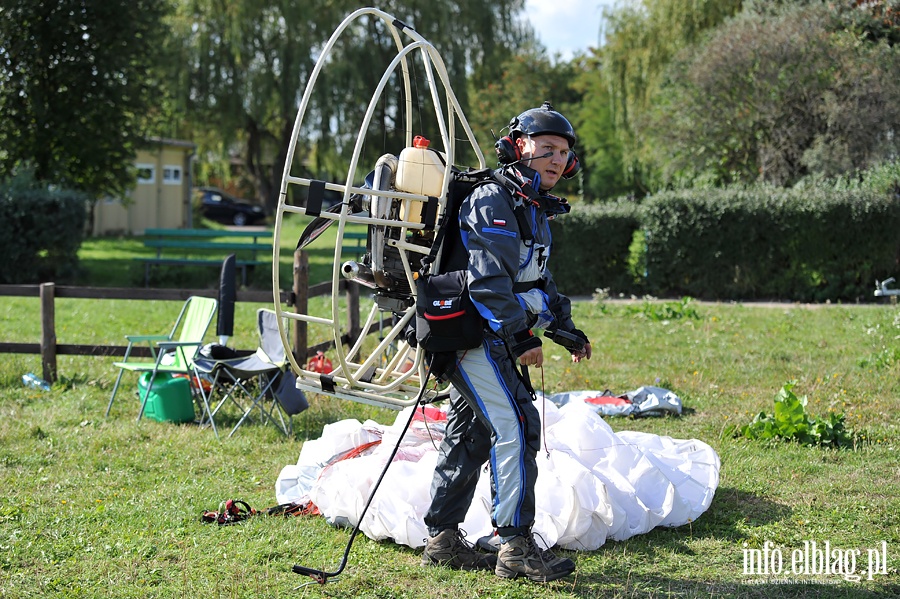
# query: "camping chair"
274,397
168,353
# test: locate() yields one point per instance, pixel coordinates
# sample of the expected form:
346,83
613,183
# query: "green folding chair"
169,354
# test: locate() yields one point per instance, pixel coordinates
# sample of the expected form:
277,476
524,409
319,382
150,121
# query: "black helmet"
543,121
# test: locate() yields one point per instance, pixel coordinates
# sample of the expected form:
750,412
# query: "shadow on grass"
600,585
324,410
732,506
625,582
109,273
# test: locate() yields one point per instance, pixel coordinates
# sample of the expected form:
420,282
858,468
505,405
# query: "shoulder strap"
463,184
523,194
523,224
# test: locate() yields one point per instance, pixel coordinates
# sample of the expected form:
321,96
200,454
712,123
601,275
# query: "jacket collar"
523,182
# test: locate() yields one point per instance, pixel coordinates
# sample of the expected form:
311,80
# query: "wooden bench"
187,247
357,250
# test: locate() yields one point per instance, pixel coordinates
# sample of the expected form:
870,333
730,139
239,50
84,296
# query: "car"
221,207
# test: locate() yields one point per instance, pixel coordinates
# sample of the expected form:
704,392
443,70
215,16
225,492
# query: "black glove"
523,341
580,334
573,341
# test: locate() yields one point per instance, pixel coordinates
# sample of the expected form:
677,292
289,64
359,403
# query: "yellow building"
161,198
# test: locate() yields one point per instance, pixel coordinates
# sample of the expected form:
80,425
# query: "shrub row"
812,244
40,232
591,248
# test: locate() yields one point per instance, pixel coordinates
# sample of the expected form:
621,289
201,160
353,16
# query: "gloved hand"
585,352
523,341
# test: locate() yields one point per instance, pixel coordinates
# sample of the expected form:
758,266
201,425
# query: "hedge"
591,248
40,233
812,244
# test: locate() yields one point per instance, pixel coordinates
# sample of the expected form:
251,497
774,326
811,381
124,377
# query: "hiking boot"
450,548
522,557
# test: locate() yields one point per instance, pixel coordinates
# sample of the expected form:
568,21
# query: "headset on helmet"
534,122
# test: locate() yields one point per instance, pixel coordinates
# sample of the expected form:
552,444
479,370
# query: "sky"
566,26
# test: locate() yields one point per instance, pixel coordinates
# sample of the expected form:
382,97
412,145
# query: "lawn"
109,507
109,261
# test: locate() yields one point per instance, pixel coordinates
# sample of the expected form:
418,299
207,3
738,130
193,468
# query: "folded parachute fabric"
654,401
593,484
644,401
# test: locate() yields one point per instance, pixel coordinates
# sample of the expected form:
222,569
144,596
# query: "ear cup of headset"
572,166
507,150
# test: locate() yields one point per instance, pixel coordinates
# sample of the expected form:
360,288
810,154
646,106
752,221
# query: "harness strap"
526,380
429,216
525,286
315,197
327,382
523,224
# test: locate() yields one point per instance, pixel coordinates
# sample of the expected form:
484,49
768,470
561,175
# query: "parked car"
221,207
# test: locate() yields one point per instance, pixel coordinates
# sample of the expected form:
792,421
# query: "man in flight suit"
492,417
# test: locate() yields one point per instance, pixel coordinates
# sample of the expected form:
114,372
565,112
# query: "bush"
41,230
591,248
821,240
806,244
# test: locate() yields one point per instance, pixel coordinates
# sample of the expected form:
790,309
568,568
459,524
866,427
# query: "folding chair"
169,354
274,396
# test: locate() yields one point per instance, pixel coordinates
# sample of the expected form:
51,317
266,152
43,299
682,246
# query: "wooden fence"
49,348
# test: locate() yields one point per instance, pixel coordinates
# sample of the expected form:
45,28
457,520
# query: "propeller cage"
377,366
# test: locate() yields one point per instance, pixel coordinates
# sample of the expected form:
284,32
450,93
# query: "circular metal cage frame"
392,374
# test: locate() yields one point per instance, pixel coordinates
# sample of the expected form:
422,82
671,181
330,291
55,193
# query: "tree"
601,148
641,39
77,78
775,98
871,20
525,80
248,62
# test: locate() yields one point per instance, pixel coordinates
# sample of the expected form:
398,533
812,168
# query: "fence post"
301,304
48,332
353,310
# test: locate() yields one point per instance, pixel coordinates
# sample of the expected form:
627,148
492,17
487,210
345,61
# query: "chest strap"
524,225
525,286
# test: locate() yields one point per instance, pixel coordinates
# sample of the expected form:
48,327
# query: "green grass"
110,261
107,507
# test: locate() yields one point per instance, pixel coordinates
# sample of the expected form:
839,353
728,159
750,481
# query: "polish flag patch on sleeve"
499,222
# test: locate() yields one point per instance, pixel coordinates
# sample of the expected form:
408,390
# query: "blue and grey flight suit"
492,415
